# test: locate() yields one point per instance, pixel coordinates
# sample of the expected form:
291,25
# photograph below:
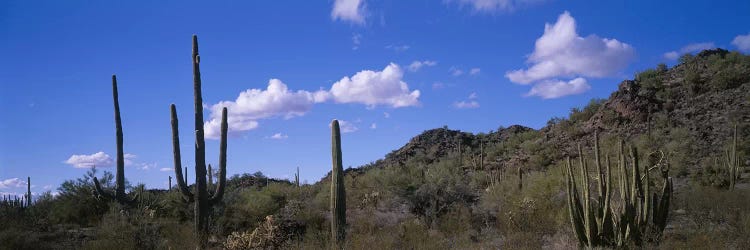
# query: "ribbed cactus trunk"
169,187
119,193
296,178
200,196
210,176
338,194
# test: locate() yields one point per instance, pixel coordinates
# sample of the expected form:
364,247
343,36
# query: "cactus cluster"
119,193
637,216
338,194
200,195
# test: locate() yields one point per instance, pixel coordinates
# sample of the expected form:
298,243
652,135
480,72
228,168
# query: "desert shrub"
76,202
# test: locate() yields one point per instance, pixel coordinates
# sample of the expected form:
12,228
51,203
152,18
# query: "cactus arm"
574,205
181,181
222,160
101,192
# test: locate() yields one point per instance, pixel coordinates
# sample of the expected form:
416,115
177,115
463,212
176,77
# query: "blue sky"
285,69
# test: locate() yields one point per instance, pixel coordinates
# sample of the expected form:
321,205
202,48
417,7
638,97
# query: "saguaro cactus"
210,176
296,178
170,183
200,195
28,191
338,194
733,161
641,215
119,194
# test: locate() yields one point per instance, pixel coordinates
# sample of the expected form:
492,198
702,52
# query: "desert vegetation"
670,156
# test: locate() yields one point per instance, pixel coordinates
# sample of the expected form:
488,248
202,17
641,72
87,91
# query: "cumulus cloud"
561,52
99,159
373,88
690,48
742,42
346,127
12,183
166,169
551,89
349,10
278,136
474,71
254,104
416,65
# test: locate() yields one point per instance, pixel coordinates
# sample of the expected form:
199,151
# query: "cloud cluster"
368,87
561,52
99,159
349,10
12,183
690,48
742,42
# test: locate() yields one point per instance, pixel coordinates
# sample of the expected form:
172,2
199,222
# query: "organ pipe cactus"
640,215
338,194
119,192
200,196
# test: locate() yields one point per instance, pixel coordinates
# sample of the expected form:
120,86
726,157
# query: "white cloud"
466,104
129,159
398,48
11,183
474,71
690,48
373,126
455,71
349,10
99,159
551,89
561,52
254,104
166,169
742,42
47,187
279,136
672,55
492,6
416,65
469,104
346,127
356,40
373,88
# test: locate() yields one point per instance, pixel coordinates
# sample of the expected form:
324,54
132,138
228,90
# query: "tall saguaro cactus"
641,215
28,191
338,194
119,194
200,196
733,161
